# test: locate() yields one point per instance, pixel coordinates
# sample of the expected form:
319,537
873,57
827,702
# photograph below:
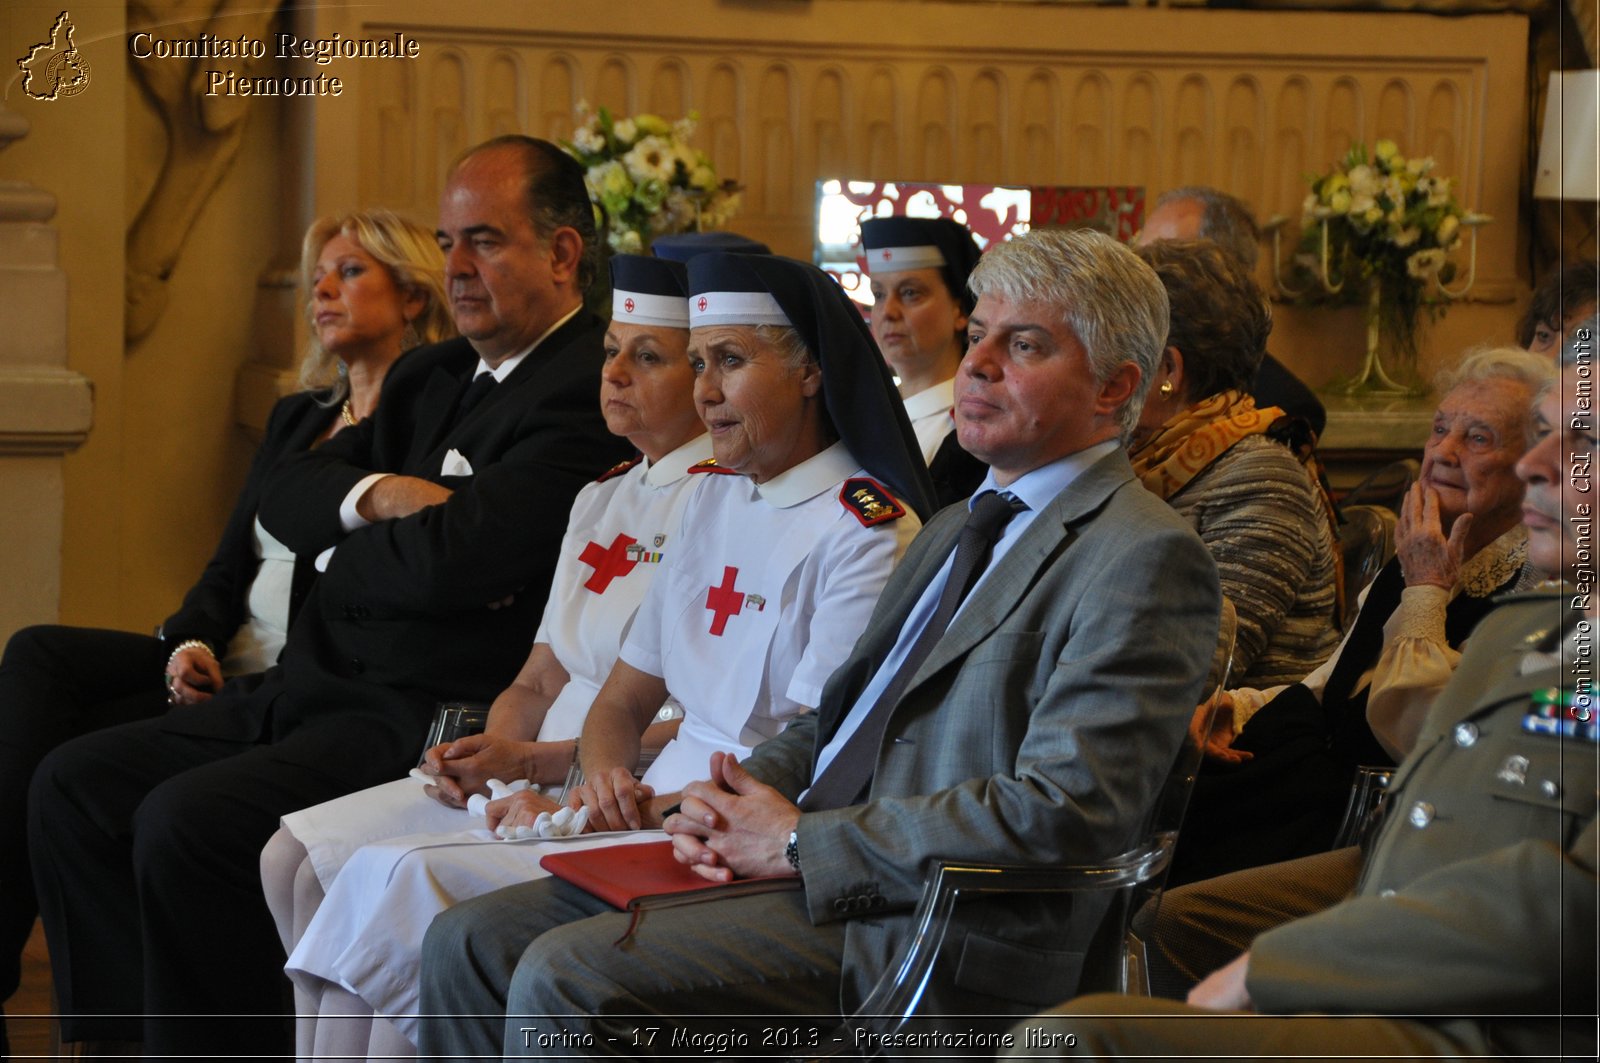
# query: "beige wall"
1026,93
75,151
183,454
147,495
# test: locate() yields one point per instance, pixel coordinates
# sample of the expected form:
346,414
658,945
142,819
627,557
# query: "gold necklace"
349,415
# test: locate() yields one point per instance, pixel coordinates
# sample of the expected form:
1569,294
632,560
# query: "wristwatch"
792,851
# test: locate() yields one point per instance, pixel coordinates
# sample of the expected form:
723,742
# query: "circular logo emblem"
702,304
627,304
67,74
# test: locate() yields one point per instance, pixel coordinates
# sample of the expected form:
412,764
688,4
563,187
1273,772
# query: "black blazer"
401,618
217,604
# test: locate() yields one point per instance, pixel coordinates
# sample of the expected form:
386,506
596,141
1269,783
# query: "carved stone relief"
203,136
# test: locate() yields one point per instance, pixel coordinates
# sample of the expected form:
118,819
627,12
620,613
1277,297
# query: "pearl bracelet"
190,644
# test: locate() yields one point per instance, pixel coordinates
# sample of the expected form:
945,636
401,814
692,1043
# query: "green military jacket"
1476,905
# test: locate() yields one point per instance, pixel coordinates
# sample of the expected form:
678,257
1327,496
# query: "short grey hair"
1109,298
1483,364
1224,218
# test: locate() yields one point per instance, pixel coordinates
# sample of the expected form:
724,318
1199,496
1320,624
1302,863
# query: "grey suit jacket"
1038,731
1478,897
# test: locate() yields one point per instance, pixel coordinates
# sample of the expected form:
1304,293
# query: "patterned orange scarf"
1195,437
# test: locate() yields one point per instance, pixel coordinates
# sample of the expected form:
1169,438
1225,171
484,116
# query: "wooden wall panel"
1021,93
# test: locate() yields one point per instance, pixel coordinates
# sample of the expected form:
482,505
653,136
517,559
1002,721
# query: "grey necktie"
851,769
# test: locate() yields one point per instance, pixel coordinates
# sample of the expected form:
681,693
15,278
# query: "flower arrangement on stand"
647,178
1379,229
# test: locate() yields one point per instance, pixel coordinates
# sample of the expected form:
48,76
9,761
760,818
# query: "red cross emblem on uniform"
627,304
724,601
888,255
702,304
608,562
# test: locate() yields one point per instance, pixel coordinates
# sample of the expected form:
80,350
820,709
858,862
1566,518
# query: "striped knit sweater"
1258,513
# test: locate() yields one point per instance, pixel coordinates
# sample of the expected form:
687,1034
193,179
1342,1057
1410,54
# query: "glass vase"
1373,379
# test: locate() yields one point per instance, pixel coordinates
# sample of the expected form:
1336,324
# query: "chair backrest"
1115,958
1367,791
1386,487
1366,543
1173,800
453,720
1137,909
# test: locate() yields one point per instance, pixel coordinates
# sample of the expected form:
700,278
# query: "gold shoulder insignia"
710,465
870,501
617,470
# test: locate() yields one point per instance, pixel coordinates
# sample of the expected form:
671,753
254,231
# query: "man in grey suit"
1035,727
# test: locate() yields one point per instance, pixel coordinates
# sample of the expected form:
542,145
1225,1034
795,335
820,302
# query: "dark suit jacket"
217,604
401,618
1037,731
1275,385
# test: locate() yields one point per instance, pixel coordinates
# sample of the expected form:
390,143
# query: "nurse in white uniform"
621,529
918,268
786,542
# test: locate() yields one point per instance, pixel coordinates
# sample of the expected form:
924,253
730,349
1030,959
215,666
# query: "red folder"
647,875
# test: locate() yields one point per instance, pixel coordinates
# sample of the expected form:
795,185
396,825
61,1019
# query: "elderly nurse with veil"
787,538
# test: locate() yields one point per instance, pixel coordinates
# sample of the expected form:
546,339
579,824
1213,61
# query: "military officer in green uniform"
1472,929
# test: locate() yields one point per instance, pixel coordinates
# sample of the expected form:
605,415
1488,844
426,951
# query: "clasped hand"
616,801
1224,989
193,676
464,767
732,825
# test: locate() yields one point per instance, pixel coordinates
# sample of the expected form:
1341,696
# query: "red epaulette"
617,470
870,501
710,465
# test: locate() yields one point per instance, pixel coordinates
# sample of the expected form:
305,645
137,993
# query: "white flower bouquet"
1391,223
648,180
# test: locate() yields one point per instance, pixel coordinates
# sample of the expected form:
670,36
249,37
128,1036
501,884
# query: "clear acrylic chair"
1367,791
453,720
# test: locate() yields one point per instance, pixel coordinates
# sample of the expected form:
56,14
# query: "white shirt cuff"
321,563
349,519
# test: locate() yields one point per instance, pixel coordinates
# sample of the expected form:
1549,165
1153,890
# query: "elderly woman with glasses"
1283,757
